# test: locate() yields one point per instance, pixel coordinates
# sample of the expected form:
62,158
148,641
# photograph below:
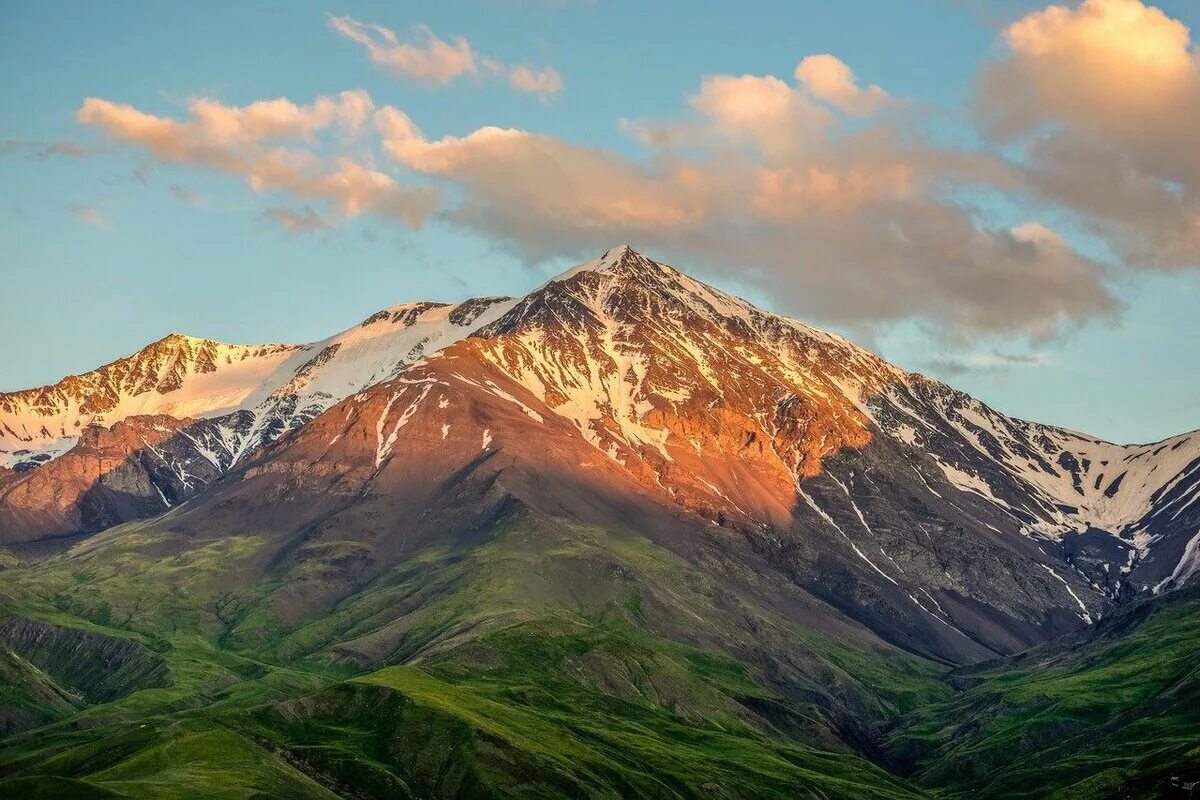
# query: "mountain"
223,401
186,377
626,517
653,369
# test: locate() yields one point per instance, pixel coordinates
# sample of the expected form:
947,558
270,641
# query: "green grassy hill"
1111,712
548,660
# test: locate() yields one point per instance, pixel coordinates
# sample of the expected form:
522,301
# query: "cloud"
185,195
761,111
1105,100
841,223
545,82
987,361
432,60
304,220
818,189
529,185
830,79
248,142
40,151
90,214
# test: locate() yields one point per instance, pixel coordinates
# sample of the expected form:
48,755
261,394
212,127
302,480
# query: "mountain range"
626,535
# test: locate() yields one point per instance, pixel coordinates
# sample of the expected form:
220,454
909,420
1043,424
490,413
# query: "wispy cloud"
303,220
990,361
89,214
430,59
186,195
40,151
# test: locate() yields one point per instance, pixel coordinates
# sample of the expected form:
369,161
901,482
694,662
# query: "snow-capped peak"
192,377
612,257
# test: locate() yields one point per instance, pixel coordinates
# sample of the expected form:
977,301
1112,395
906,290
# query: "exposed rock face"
1125,517
111,476
219,402
626,394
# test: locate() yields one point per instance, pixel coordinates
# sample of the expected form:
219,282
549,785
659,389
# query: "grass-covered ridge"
547,659
1113,711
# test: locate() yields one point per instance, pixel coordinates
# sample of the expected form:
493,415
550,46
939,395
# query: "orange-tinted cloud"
436,61
91,215
545,82
246,142
432,59
531,178
844,224
817,186
828,78
301,220
1106,99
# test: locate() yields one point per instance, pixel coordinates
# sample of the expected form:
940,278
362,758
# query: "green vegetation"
536,675
1111,712
29,697
408,732
550,660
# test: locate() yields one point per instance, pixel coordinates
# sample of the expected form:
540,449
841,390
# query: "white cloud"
830,79
545,82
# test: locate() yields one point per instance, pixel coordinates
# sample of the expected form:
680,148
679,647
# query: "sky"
1004,195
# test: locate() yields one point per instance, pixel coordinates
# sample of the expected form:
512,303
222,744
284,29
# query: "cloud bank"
1105,100
818,187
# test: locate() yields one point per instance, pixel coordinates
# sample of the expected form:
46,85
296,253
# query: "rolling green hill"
548,659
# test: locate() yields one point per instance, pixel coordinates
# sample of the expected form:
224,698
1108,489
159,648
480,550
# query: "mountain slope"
693,398
185,377
1112,711
627,396
222,402
624,514
1127,517
179,376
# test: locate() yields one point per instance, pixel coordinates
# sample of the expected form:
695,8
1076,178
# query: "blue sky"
114,245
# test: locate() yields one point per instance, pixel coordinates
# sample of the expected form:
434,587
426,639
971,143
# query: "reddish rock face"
629,397
693,392
107,478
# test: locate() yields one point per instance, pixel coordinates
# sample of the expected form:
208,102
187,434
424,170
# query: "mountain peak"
623,253
621,257
175,338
